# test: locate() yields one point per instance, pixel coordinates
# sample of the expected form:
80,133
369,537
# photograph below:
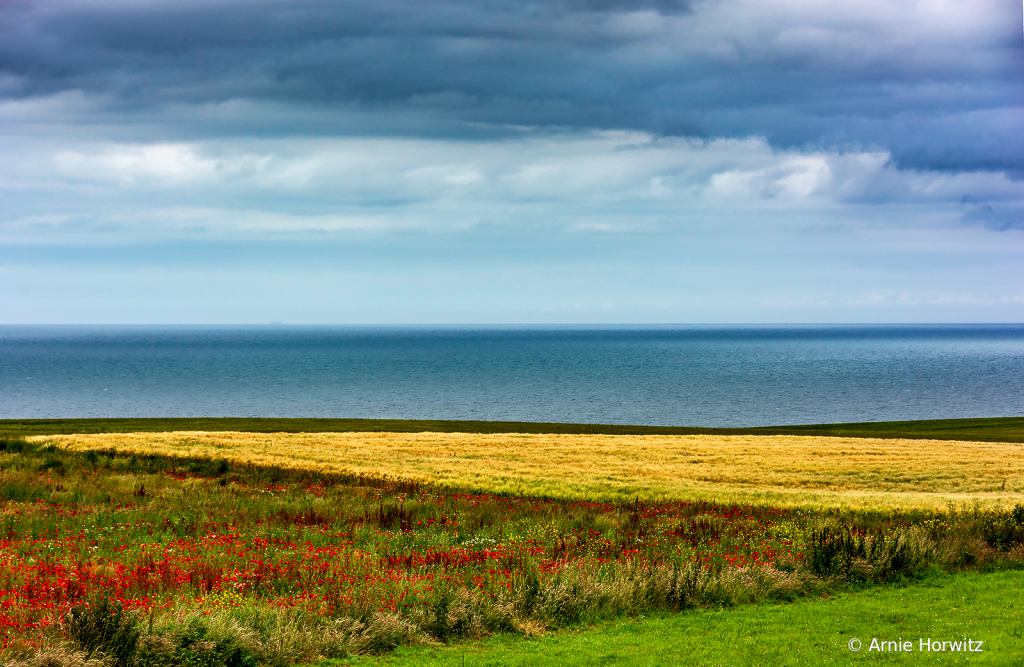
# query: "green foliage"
13,445
104,626
1000,429
52,463
527,589
194,645
683,589
440,622
832,551
19,490
842,551
1003,531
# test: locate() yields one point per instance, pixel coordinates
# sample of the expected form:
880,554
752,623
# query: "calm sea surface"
692,376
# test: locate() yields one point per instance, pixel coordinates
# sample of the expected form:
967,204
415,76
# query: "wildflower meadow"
113,559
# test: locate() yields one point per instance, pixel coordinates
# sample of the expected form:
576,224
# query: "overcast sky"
486,161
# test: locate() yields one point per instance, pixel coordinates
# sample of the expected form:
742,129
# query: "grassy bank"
1000,429
780,471
813,632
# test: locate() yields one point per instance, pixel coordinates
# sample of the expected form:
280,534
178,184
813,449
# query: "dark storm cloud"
936,95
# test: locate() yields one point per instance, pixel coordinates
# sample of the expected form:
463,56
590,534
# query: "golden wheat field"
788,471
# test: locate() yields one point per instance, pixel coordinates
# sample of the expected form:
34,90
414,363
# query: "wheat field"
784,471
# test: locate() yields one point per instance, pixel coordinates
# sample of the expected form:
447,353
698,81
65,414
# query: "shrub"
104,627
440,622
1003,530
682,589
195,645
831,551
896,555
527,589
52,463
845,552
12,445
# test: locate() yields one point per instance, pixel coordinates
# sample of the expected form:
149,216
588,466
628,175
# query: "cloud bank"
565,131
936,84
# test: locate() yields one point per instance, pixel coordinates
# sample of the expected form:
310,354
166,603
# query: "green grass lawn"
979,607
1003,429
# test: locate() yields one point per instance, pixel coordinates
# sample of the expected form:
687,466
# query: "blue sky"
503,161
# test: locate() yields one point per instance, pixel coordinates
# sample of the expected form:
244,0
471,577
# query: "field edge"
988,429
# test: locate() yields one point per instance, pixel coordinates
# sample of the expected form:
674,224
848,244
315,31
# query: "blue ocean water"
688,376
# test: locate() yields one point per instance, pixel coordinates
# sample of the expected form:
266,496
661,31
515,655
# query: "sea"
727,376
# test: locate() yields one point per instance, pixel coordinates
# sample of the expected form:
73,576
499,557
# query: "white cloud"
793,177
574,181
153,165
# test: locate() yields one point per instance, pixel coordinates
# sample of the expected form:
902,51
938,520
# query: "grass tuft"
102,626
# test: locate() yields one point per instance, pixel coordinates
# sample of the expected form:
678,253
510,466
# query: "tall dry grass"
784,471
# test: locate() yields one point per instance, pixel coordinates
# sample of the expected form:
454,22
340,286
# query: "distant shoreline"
993,429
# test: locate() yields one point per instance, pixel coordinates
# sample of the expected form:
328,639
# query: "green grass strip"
1001,429
978,607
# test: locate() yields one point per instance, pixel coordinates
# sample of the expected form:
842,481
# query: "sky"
511,161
